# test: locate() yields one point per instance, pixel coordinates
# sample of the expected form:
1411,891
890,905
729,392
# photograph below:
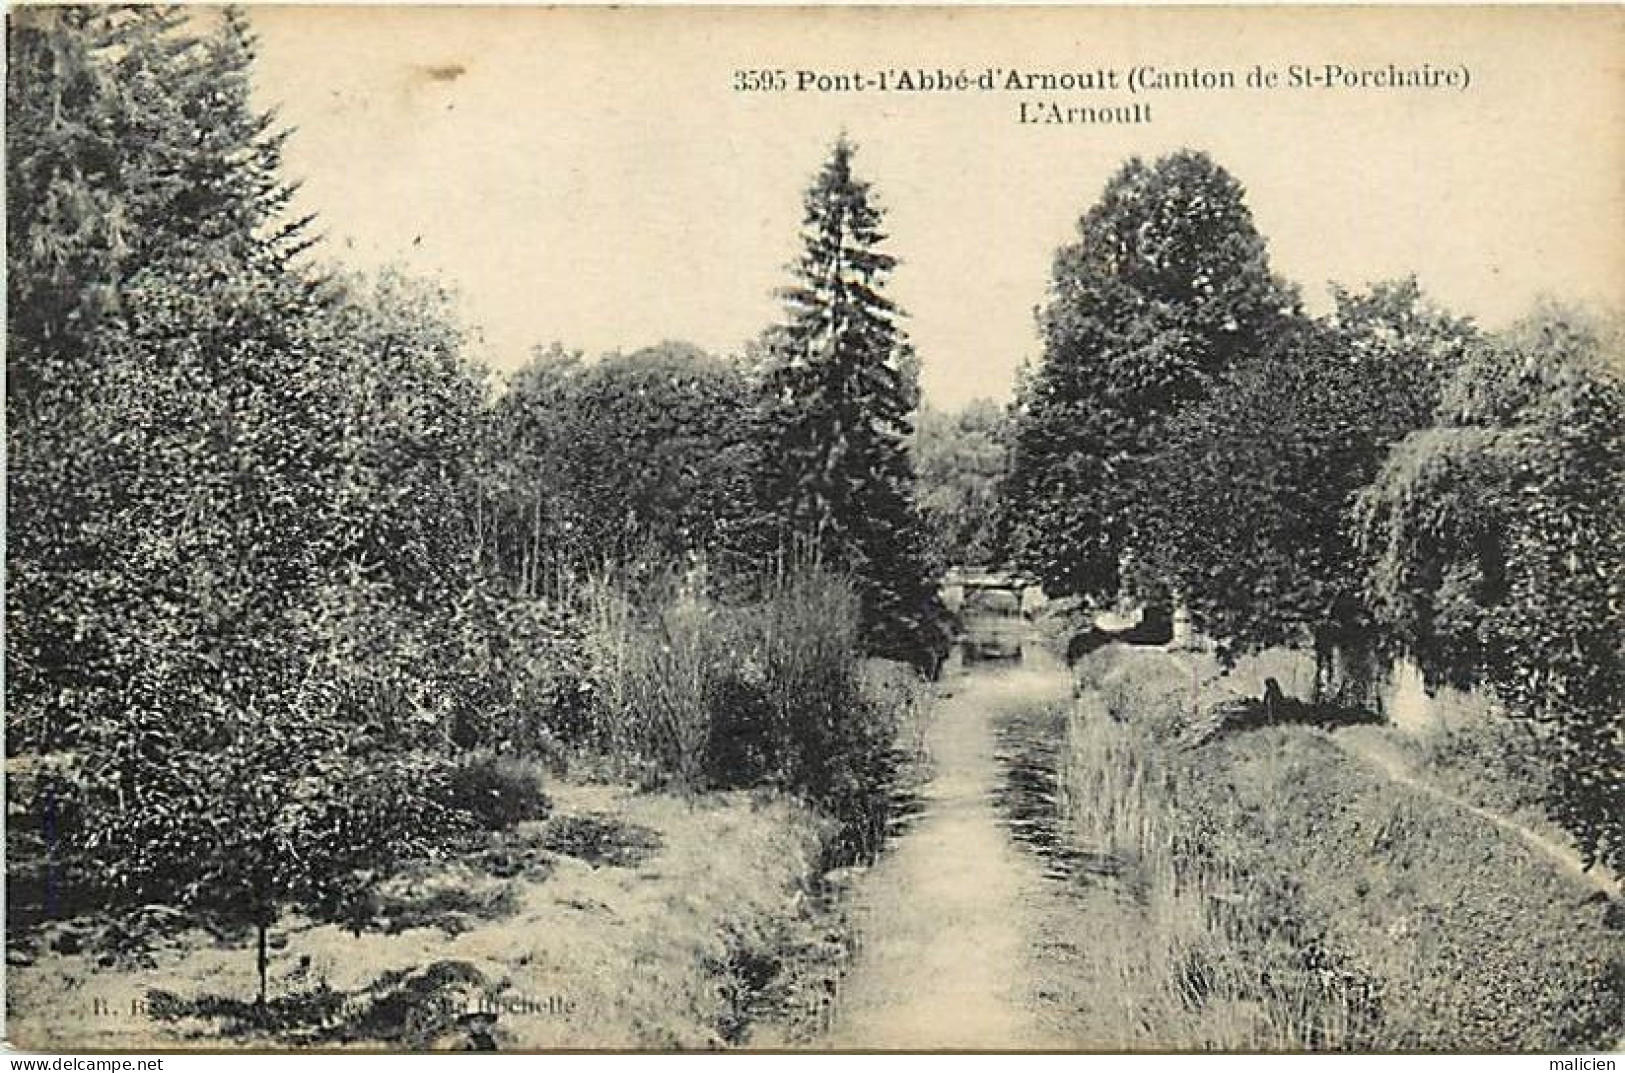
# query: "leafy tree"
1168,287
1248,500
836,411
212,692
244,618
643,457
961,459
1493,546
523,507
662,453
112,180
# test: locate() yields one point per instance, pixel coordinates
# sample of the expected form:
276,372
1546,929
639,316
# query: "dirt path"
948,920
1371,749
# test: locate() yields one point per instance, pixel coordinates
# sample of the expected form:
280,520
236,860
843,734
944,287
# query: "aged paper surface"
635,182
658,127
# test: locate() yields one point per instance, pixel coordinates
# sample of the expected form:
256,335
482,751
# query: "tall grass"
1291,896
697,692
655,664
1222,959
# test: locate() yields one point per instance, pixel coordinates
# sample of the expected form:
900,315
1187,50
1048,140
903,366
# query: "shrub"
632,455
1492,544
741,747
497,791
600,838
517,671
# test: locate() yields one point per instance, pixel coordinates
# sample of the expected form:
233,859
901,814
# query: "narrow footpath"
1368,746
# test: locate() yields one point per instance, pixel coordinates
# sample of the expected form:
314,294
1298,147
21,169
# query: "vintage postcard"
817,529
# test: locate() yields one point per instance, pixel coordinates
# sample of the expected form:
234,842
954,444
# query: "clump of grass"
900,689
1116,796
453,900
650,666
413,1009
1160,693
286,1016
599,838
515,854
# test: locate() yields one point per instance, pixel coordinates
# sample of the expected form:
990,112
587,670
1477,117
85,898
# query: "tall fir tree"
838,393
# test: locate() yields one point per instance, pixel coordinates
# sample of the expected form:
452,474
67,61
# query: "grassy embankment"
1290,896
648,900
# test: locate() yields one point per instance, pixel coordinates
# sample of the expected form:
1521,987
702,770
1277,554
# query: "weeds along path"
948,919
1363,745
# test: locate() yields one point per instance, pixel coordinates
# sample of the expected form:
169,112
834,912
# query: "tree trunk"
1325,667
261,962
1346,672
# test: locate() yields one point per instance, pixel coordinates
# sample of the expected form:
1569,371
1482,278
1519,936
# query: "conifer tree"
837,413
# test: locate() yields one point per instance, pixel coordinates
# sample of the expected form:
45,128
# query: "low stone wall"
1411,708
1402,696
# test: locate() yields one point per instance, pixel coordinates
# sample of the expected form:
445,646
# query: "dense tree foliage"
282,571
1168,287
837,399
1494,544
961,459
1374,481
128,143
651,455
91,305
246,635
1247,500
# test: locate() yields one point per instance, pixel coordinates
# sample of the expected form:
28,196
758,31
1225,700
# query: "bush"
741,747
1492,544
516,670
497,791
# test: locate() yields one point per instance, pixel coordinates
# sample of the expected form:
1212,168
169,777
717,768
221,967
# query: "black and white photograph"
959,529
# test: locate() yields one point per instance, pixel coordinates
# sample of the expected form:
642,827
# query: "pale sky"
591,177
